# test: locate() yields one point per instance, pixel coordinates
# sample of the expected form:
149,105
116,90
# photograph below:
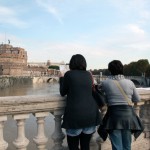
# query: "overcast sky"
101,30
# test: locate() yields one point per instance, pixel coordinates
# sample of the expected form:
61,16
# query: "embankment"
7,81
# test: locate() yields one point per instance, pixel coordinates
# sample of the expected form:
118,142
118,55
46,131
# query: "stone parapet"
30,104
41,106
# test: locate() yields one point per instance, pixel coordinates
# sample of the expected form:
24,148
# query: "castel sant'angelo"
13,60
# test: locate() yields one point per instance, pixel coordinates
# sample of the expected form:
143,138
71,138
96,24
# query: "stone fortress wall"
13,60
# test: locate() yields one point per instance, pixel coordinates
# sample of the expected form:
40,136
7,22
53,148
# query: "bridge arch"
48,80
136,82
52,80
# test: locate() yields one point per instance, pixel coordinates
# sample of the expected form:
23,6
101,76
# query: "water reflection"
32,89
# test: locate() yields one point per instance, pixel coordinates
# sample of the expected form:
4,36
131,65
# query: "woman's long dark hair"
77,62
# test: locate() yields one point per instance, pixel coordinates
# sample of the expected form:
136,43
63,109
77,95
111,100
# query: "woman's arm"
63,85
136,96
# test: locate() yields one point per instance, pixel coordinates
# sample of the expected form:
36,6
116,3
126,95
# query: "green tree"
136,68
130,69
142,66
147,73
97,72
53,67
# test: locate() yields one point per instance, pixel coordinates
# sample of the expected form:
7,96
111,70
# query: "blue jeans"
121,139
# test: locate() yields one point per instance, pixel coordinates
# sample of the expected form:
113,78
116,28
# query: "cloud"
62,51
136,8
129,5
49,8
145,14
145,17
119,46
128,38
9,16
6,11
136,29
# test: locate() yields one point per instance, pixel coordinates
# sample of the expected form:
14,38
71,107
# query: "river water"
30,89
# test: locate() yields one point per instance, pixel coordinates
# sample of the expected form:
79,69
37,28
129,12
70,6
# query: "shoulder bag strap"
123,93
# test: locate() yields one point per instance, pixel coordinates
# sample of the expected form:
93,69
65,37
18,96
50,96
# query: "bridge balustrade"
20,108
138,80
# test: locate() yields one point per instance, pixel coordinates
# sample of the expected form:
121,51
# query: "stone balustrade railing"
143,109
20,107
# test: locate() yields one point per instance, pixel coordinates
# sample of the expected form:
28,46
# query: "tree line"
138,68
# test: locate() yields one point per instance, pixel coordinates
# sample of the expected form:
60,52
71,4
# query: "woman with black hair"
81,113
120,120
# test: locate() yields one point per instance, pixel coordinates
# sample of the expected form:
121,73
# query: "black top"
120,117
81,110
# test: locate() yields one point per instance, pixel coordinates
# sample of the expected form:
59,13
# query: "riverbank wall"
8,81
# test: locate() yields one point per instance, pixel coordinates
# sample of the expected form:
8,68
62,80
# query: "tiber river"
32,89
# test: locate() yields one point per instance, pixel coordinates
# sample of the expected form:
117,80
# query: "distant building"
13,60
45,64
41,68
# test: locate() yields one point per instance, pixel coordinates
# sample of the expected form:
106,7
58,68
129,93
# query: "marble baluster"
58,135
21,142
41,139
3,143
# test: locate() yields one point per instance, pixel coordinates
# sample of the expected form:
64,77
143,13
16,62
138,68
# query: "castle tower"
13,60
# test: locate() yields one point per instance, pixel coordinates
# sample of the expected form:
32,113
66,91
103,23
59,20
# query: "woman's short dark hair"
77,62
115,67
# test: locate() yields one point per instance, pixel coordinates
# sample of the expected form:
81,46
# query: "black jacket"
81,110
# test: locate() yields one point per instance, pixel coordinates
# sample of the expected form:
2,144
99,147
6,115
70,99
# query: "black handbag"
98,96
102,132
